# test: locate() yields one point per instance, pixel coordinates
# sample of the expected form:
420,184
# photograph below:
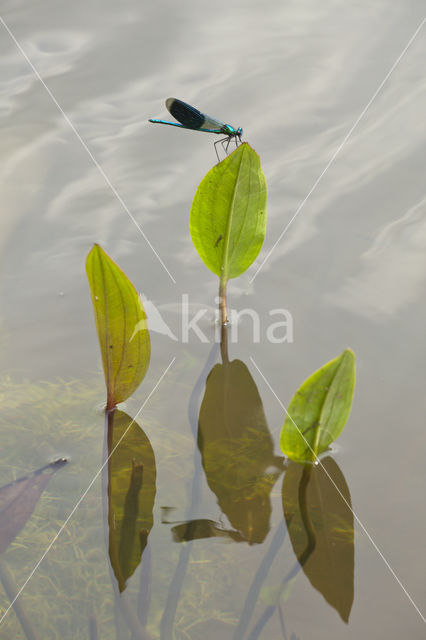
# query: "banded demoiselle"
190,118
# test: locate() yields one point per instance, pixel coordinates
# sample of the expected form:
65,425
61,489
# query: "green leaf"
121,324
321,529
237,449
131,494
228,214
319,409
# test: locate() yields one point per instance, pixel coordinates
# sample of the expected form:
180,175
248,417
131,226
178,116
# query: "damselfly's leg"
222,141
215,148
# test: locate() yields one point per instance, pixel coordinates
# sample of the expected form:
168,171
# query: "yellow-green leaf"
228,214
319,409
121,324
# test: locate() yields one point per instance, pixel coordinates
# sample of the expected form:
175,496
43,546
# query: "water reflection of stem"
18,608
304,512
144,596
121,600
269,611
224,343
112,548
167,621
310,546
130,617
283,629
128,526
259,579
93,627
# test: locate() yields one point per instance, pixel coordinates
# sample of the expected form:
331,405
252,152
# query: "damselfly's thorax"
228,130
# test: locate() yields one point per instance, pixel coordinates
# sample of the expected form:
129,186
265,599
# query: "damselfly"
190,118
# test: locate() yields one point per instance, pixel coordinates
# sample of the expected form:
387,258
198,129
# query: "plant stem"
223,311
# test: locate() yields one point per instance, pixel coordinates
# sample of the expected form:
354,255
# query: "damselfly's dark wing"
191,118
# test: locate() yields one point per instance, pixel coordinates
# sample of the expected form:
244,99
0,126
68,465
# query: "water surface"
350,270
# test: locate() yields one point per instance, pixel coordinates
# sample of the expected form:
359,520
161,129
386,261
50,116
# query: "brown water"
350,270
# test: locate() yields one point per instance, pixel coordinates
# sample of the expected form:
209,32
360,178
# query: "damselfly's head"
239,133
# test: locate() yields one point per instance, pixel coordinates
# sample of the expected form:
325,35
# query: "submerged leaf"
317,510
18,500
201,529
237,449
228,214
131,494
121,325
319,409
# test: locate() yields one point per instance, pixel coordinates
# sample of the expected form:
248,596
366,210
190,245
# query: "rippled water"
350,269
